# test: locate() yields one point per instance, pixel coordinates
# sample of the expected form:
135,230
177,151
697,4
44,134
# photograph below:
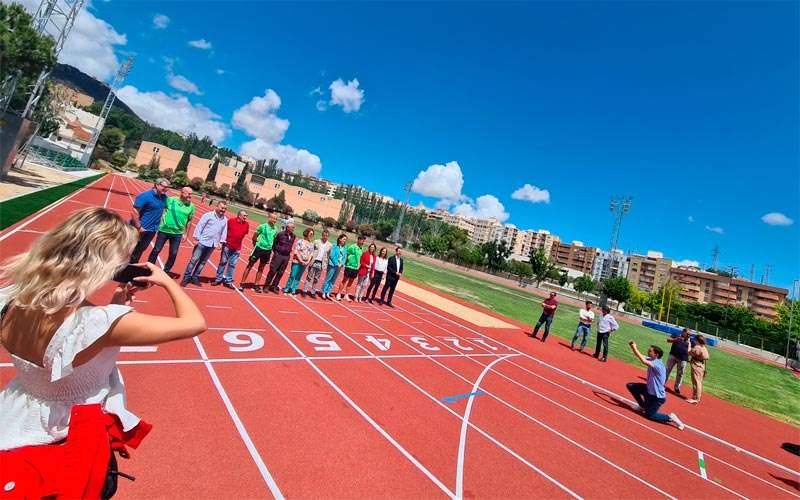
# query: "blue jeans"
200,256
227,263
649,403
174,245
294,277
546,321
330,279
584,330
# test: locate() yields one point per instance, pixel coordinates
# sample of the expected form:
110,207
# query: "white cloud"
685,263
690,219
160,21
322,105
440,181
220,71
316,91
715,229
484,207
174,113
777,219
348,95
532,194
289,157
258,119
183,84
90,44
200,44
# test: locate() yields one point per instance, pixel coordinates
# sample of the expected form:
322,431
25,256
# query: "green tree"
329,222
311,216
384,229
617,288
277,202
584,284
366,229
179,179
25,52
242,193
520,269
111,139
540,265
224,190
209,187
119,158
196,183
183,164
495,254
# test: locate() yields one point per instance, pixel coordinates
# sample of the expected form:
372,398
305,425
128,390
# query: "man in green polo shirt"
262,250
352,262
174,226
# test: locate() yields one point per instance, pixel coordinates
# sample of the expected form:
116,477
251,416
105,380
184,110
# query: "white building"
606,266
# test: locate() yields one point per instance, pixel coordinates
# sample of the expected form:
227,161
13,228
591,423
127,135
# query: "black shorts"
261,255
350,273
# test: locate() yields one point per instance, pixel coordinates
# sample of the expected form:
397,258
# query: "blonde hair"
70,262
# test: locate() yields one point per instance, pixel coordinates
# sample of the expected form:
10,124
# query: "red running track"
305,398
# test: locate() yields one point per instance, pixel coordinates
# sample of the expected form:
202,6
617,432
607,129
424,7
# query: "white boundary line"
605,391
237,422
50,207
462,439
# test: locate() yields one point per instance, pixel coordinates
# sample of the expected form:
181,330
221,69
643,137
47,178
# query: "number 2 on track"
382,344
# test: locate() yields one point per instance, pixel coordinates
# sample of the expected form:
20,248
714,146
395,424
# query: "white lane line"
138,348
310,331
338,316
219,307
108,194
462,439
288,312
262,467
49,208
701,462
608,393
529,417
247,329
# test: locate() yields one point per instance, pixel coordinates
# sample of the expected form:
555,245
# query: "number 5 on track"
323,342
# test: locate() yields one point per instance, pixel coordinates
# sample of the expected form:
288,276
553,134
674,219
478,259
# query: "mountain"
80,81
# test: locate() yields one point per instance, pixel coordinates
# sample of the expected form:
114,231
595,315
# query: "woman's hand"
123,295
157,276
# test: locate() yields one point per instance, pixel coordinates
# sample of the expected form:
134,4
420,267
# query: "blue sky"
691,108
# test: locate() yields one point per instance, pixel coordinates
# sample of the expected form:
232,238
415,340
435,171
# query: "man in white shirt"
605,326
322,248
585,319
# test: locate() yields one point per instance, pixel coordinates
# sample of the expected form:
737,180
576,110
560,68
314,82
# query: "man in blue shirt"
146,217
651,396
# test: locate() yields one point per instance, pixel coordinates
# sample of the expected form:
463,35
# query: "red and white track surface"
294,397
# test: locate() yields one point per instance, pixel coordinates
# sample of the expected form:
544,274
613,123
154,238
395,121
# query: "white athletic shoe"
636,408
674,418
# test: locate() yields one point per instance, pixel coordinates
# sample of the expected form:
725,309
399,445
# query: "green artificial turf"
16,209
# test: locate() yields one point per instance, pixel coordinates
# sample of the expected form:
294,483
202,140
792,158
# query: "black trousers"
276,268
144,241
602,338
377,277
389,286
174,244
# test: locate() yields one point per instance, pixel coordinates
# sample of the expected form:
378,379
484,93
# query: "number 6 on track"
323,342
248,340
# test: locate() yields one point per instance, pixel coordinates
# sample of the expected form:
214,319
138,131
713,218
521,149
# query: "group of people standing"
168,219
685,348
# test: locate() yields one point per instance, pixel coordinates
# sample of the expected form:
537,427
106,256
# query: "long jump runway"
284,396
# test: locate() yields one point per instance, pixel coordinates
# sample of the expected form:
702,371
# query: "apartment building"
608,264
573,255
710,288
458,221
507,233
484,230
167,158
544,241
649,272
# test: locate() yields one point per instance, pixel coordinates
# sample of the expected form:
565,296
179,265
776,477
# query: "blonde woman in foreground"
65,348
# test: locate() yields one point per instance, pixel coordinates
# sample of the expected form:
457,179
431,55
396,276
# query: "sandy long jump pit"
467,313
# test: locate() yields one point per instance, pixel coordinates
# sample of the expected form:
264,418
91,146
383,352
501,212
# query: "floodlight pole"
619,206
396,233
792,305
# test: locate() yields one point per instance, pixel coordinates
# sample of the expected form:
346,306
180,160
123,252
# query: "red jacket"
75,468
367,265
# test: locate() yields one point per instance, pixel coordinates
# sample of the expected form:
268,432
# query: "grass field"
762,387
14,210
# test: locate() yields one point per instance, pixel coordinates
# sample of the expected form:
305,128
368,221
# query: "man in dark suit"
393,272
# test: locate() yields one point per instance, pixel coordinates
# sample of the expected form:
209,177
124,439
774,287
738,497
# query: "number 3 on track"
323,342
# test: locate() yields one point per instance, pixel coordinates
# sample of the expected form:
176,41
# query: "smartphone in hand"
129,272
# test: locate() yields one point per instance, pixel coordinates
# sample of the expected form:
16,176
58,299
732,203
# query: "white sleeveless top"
35,405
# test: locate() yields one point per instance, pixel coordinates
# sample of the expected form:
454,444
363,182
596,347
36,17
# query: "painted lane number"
323,342
423,342
382,343
243,341
457,343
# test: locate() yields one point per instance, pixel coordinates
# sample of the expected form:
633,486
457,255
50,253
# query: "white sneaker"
674,418
636,408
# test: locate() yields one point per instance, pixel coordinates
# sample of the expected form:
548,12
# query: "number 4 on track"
382,343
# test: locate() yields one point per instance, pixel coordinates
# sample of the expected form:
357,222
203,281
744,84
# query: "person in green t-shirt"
262,250
352,261
174,226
